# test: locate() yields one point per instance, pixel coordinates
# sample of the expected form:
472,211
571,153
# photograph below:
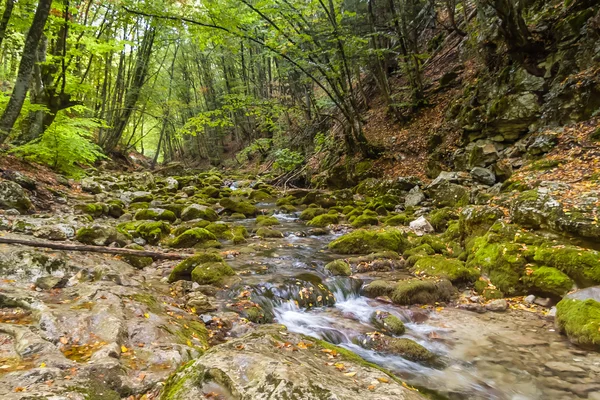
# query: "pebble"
530,299
497,305
544,302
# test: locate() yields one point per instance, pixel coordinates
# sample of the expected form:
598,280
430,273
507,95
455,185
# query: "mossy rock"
184,269
477,220
440,218
364,241
189,225
312,212
192,237
398,220
265,233
321,221
287,208
580,320
153,232
100,235
581,265
388,323
138,206
116,208
238,216
260,195
242,207
365,220
378,288
405,348
339,268
449,268
196,211
548,282
257,315
137,261
155,214
94,209
220,229
422,291
211,273
267,220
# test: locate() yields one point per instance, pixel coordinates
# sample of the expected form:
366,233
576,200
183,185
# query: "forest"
299,199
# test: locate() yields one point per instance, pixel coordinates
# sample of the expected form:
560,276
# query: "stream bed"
514,354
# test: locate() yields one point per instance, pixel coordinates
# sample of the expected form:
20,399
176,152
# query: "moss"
195,211
287,208
581,265
266,220
184,269
453,231
155,214
397,220
189,225
435,242
423,249
311,212
364,241
265,233
422,291
192,237
364,220
220,229
242,207
323,220
477,220
545,164
153,232
238,216
440,218
409,349
285,201
354,213
378,288
580,320
257,315
549,282
452,269
137,261
212,273
388,323
260,195
150,301
138,206
339,267
93,209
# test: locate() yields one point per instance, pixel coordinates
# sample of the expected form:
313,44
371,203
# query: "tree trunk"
8,8
15,104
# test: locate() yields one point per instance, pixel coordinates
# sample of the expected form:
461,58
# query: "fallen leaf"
383,380
124,349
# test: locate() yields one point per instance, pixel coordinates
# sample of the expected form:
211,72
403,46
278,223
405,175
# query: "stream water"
510,355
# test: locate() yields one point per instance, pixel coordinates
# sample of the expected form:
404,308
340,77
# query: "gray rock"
564,368
12,212
421,226
592,292
483,175
171,184
91,186
542,144
475,307
544,302
530,299
51,282
448,194
480,154
552,313
497,305
254,367
414,197
54,232
13,195
407,182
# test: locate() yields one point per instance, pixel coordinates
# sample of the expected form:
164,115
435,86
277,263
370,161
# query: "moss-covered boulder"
580,321
212,273
364,241
220,229
94,209
12,195
449,268
448,194
548,282
196,211
101,235
137,261
388,323
405,348
378,288
141,197
192,237
267,220
260,195
581,265
153,232
365,219
242,207
439,218
339,267
155,214
240,233
422,291
265,233
398,220
184,269
311,212
477,220
321,221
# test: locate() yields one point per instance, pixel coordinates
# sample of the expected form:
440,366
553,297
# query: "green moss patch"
184,269
211,273
449,268
192,237
364,241
339,267
580,320
422,291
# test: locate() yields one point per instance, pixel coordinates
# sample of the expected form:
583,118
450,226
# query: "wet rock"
101,235
388,323
195,211
497,305
483,175
51,282
200,303
402,347
339,268
265,233
414,197
257,366
563,368
12,195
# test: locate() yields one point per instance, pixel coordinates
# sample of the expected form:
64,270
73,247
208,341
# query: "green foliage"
66,146
287,160
257,147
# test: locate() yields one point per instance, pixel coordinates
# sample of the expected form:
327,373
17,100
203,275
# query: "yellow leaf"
43,365
124,349
383,380
350,374
146,315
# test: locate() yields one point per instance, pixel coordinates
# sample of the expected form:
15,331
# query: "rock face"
259,366
421,226
13,196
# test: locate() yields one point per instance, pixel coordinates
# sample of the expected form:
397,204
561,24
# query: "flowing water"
510,355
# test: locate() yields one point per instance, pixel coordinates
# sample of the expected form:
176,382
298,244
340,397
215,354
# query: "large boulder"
12,195
101,235
363,241
448,194
260,366
579,319
195,211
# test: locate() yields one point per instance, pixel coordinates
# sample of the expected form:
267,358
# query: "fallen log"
96,249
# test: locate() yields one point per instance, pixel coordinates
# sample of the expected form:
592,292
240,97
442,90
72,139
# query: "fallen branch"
96,249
